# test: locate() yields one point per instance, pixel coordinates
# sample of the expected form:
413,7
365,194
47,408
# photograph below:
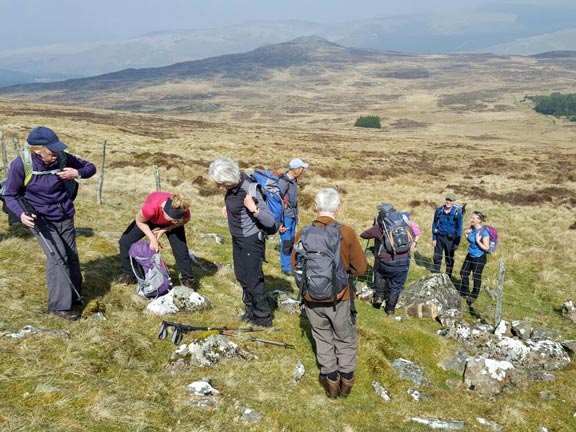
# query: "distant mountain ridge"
249,66
498,30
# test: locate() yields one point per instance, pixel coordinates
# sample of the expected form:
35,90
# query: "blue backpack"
268,182
150,270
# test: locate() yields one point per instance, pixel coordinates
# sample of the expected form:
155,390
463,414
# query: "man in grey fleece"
248,216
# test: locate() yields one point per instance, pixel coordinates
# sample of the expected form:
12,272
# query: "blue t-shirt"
474,250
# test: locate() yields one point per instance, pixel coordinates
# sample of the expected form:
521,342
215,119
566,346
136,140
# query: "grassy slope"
110,376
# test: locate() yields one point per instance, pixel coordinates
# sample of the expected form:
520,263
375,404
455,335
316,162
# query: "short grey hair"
327,200
224,171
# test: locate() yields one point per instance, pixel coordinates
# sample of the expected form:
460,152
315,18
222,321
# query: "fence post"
101,180
4,155
157,176
498,314
16,142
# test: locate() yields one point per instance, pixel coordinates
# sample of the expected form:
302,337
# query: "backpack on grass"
319,270
274,197
494,240
150,270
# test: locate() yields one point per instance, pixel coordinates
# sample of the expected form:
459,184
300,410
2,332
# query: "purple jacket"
45,193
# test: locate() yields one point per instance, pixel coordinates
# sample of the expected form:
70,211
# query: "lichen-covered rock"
522,329
456,363
208,353
569,311
436,289
178,299
488,376
410,371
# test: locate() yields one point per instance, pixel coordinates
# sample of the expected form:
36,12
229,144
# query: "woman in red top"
168,213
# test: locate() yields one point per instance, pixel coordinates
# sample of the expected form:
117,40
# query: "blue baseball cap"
44,136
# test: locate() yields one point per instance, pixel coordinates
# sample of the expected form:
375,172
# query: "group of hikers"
324,257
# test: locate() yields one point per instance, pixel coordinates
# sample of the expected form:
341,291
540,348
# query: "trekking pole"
29,210
265,341
179,329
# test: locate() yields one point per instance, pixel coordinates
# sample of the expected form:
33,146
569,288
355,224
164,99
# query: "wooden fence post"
498,314
4,155
101,180
157,176
16,142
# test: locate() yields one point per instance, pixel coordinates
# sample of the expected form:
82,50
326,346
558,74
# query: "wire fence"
506,293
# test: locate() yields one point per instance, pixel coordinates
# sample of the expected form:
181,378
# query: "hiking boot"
346,386
189,282
389,312
128,279
66,314
332,388
261,322
77,302
377,301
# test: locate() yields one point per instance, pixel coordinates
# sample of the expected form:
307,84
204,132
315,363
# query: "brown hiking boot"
346,386
332,388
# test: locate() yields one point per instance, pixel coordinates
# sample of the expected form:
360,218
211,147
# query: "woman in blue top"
479,240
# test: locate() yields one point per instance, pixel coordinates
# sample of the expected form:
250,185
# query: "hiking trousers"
62,262
389,281
287,243
476,266
444,246
335,335
248,254
176,238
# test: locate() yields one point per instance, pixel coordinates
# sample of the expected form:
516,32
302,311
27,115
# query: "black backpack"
397,232
319,271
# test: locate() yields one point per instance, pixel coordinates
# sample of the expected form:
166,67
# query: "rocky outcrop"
430,296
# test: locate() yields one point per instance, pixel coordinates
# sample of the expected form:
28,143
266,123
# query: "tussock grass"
112,376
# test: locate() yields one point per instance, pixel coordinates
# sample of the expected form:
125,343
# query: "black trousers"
444,246
177,239
476,266
248,254
389,282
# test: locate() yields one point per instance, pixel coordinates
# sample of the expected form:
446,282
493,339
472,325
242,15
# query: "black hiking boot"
189,283
377,301
128,279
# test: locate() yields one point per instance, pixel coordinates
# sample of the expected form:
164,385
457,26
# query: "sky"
25,23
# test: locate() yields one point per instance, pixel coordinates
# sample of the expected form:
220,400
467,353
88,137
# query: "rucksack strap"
26,157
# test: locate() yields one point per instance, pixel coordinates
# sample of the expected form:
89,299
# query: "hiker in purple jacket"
52,213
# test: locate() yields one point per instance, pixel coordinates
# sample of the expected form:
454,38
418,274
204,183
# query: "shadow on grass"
423,261
22,231
99,276
284,284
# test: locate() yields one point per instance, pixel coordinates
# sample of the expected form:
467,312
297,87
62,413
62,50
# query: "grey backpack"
319,270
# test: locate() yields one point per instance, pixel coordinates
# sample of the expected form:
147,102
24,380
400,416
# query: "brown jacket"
351,252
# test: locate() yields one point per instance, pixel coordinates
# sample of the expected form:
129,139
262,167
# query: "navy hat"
44,136
173,212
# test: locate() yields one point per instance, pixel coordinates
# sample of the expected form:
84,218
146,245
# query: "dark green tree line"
557,104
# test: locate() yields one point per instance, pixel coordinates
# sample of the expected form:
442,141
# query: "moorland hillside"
458,123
